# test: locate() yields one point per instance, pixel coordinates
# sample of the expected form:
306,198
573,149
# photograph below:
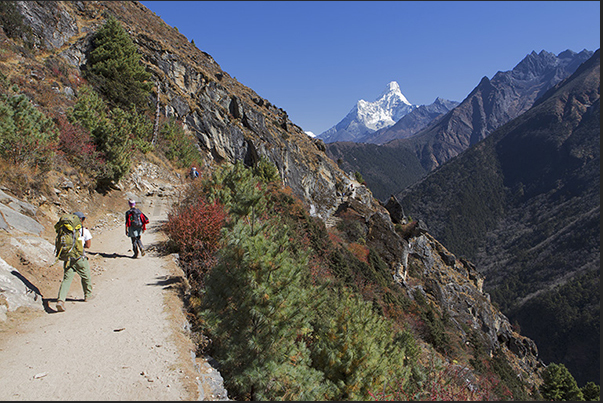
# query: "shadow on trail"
167,282
107,255
46,303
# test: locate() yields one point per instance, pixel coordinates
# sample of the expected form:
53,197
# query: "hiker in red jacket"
136,224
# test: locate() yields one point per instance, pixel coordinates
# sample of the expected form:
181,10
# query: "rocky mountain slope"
231,122
492,103
524,205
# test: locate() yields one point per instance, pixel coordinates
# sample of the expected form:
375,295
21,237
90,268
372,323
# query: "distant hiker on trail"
72,238
194,174
136,224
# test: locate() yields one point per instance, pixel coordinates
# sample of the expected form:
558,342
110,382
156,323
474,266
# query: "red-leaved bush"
77,145
195,227
194,232
360,251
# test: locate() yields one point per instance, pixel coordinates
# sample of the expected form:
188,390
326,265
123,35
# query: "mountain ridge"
366,117
524,206
489,105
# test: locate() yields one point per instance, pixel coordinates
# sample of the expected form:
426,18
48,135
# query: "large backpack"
67,244
135,218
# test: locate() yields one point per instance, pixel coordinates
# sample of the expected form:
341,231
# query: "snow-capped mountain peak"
392,94
367,117
385,111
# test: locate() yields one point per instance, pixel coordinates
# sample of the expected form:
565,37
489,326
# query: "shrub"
116,132
359,178
360,251
177,146
77,145
266,171
238,190
257,311
449,382
357,350
591,391
194,232
27,136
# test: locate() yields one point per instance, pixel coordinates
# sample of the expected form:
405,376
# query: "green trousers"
82,268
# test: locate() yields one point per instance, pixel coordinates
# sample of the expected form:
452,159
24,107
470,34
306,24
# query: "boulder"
16,291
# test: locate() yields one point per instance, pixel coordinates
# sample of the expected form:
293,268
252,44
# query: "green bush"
177,146
591,391
257,310
27,136
357,350
116,133
266,171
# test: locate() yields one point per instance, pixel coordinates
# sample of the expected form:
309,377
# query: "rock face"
16,215
51,23
422,265
231,122
16,291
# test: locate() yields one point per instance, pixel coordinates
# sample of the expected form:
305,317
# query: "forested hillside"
524,205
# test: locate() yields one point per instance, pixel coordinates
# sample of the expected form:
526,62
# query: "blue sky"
316,59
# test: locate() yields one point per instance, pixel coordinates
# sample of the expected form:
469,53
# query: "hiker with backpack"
194,174
136,224
71,240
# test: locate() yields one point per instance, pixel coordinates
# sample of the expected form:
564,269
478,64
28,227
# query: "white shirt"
85,235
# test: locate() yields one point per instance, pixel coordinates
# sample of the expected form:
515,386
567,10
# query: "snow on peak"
387,109
392,91
368,117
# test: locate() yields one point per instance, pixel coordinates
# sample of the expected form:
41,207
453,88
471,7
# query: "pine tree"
89,111
357,349
27,136
114,67
257,309
266,171
559,384
591,391
236,187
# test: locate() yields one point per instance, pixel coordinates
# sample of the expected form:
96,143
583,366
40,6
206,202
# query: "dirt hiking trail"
129,342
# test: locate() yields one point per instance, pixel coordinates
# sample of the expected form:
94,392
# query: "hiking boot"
61,306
